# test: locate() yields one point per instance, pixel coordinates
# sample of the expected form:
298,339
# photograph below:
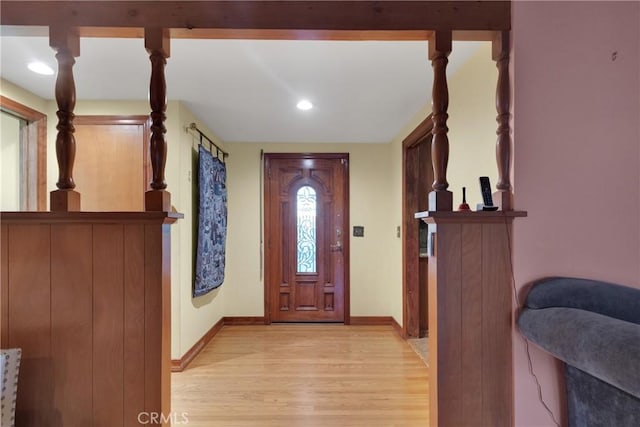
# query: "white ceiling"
246,90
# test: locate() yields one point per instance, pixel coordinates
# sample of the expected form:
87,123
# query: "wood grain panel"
165,324
153,317
496,333
71,322
87,304
480,391
434,332
133,323
157,297
108,325
472,322
30,322
449,320
4,286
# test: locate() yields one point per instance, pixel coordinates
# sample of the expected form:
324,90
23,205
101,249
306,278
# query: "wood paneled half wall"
86,295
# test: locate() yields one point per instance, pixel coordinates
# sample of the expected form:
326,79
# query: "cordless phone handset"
485,189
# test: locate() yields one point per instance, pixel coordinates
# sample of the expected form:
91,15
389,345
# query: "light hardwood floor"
305,376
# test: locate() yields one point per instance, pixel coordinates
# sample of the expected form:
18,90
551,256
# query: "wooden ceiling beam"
215,33
264,15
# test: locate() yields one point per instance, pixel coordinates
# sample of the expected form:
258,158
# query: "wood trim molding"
399,330
243,320
378,321
371,320
39,120
111,120
20,109
179,365
420,134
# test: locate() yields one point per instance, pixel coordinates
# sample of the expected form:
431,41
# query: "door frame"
412,292
35,196
345,243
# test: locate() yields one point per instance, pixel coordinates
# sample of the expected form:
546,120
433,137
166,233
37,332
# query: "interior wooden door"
111,169
306,237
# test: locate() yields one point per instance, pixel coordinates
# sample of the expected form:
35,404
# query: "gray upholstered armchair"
594,327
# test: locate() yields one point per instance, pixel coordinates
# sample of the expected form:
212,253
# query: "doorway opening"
417,177
24,157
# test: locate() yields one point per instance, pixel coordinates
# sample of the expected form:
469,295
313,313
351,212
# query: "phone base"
482,207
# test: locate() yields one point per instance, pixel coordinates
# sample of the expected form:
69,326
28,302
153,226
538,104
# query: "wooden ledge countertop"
434,217
90,217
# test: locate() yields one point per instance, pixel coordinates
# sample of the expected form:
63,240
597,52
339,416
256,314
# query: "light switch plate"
358,231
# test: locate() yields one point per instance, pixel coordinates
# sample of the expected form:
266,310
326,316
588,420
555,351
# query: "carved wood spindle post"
156,42
503,197
440,199
66,42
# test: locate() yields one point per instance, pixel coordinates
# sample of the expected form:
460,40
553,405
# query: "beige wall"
472,126
192,317
22,96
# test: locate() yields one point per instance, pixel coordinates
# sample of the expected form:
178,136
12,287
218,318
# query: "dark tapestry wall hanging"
212,223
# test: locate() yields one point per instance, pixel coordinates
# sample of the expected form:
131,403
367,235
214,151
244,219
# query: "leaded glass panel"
306,225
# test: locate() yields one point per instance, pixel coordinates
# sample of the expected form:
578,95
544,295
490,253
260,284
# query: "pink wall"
577,159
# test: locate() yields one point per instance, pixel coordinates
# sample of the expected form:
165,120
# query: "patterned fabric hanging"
212,223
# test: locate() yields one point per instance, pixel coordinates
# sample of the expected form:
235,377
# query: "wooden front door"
306,237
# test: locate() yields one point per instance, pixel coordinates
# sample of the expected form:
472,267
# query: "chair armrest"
604,347
620,302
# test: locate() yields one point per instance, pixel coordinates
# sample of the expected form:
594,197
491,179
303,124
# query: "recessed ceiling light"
40,68
304,105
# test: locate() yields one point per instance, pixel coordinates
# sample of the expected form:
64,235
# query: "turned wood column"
66,42
440,199
503,197
156,41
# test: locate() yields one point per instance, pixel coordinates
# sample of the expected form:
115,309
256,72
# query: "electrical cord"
526,342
